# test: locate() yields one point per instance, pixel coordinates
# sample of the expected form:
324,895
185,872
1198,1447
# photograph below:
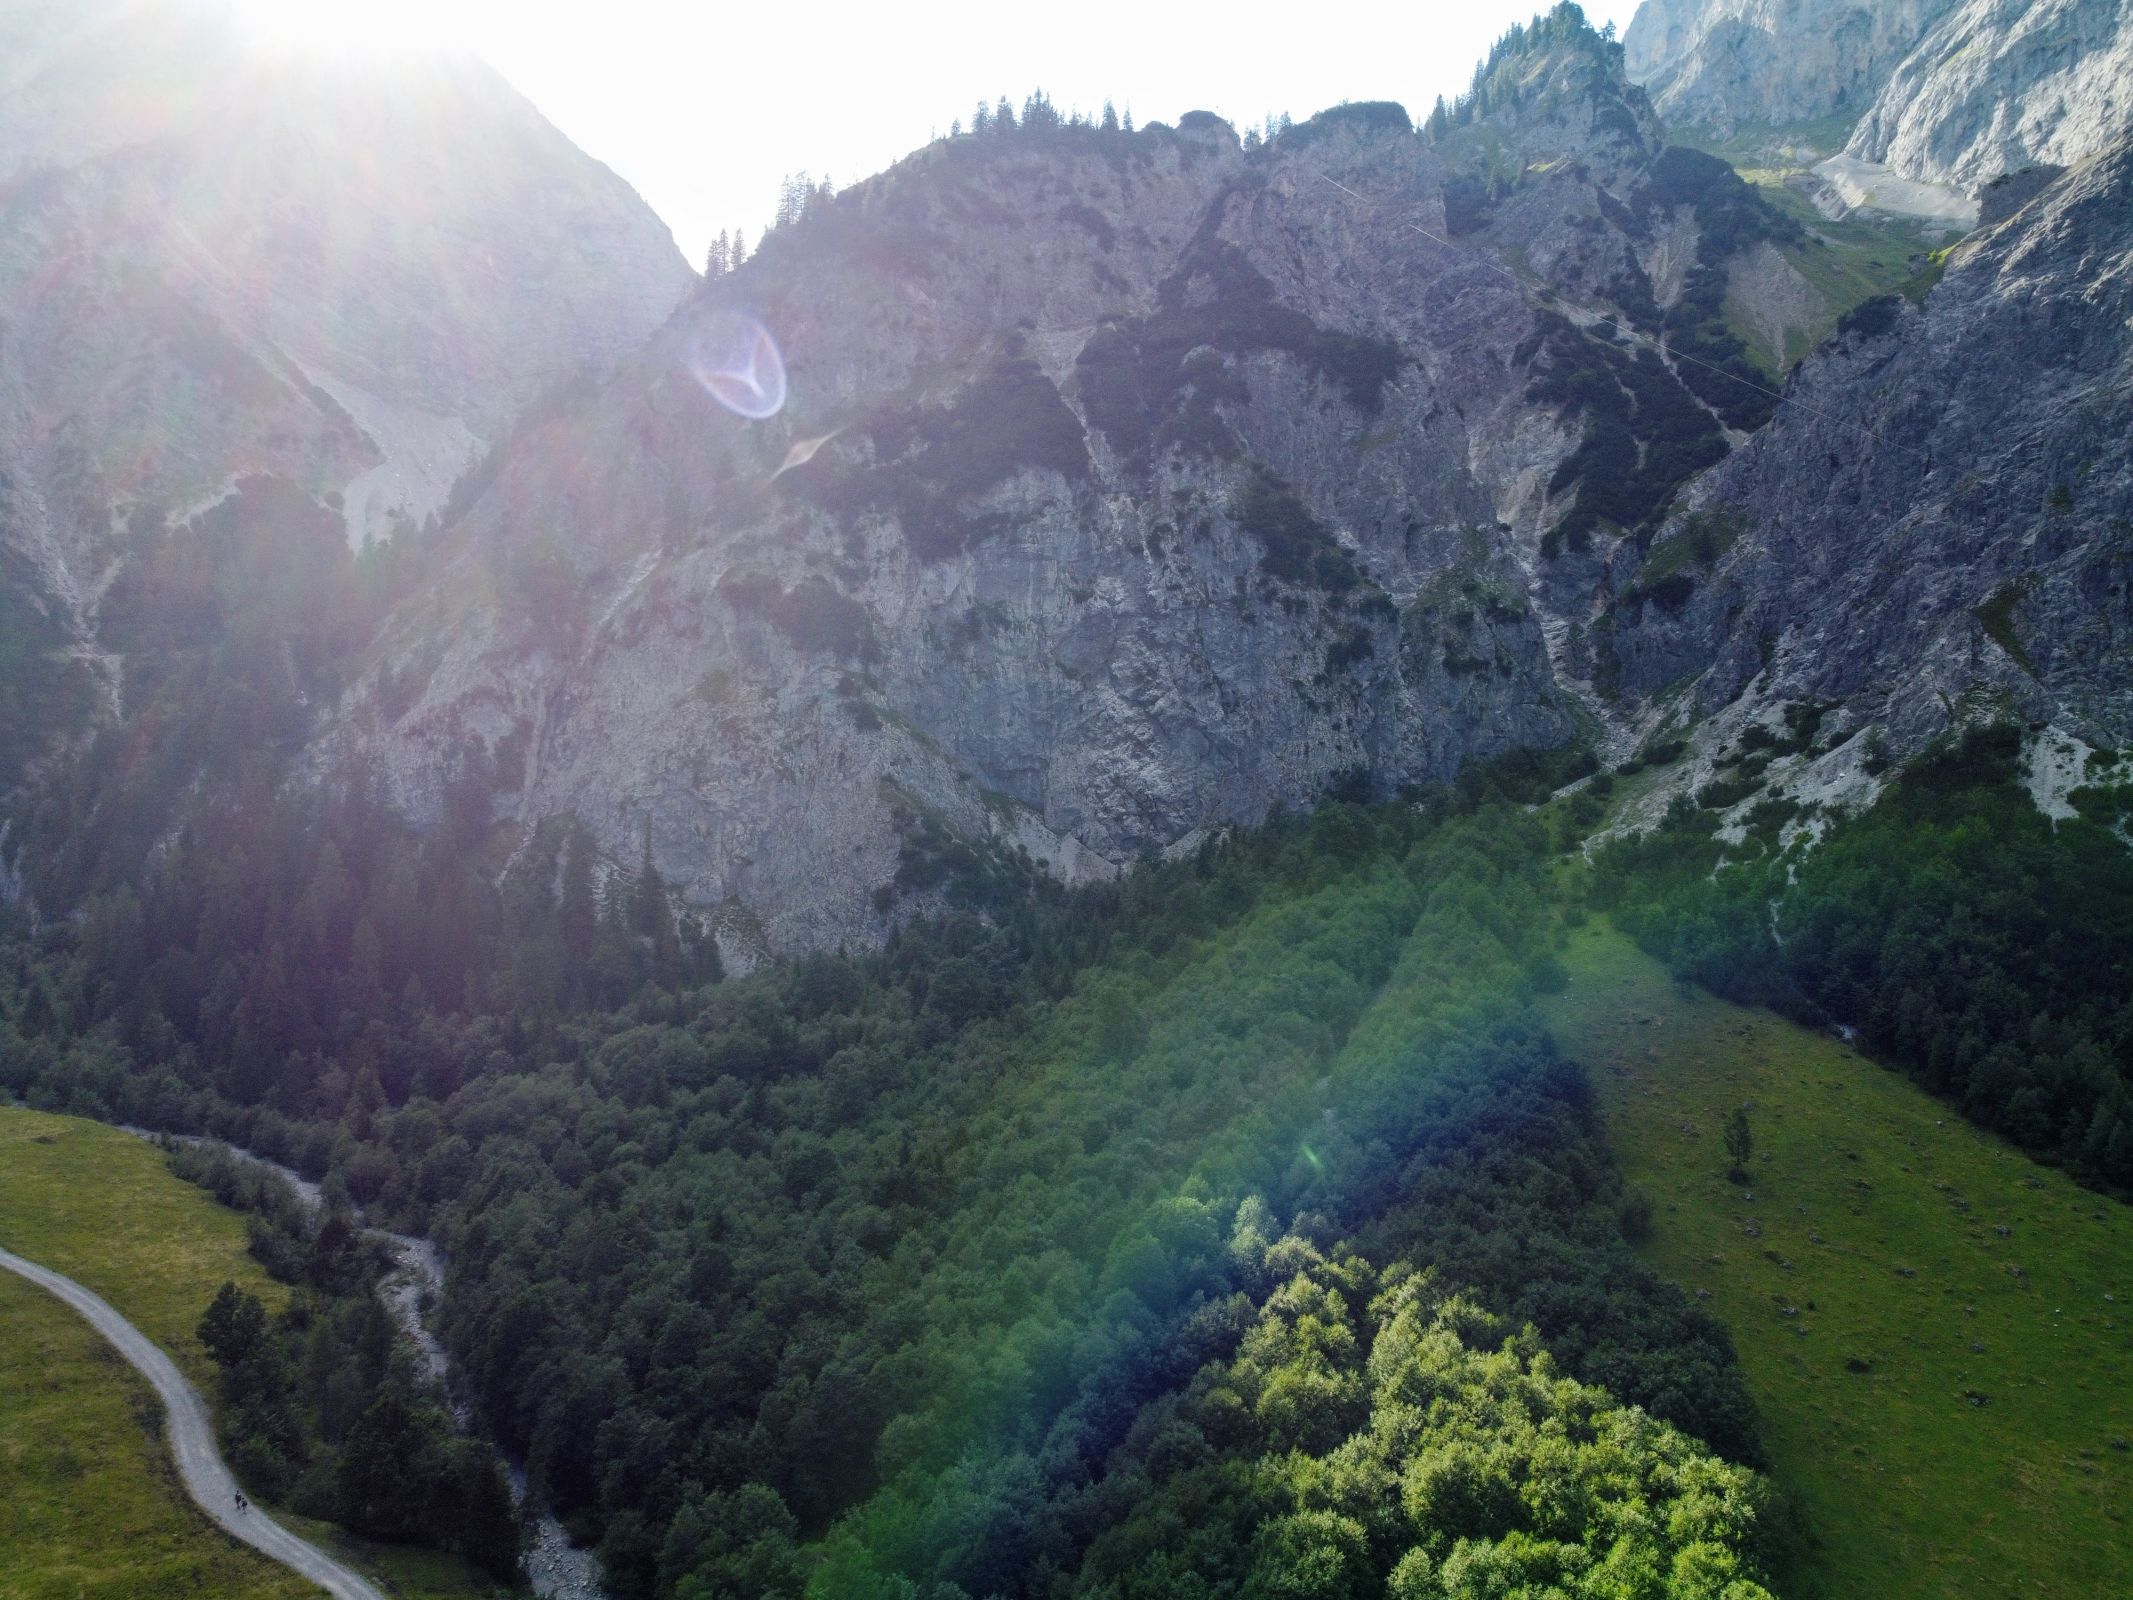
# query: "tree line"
1965,937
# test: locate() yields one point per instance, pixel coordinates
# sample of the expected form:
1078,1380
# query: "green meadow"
1938,1330
90,1507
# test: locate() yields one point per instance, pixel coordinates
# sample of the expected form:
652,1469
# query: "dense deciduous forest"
989,1262
906,1242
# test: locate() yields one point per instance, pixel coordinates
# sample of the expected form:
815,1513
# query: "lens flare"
803,451
734,357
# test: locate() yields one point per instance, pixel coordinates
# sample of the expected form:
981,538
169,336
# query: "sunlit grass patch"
90,1505
100,1206
1935,1327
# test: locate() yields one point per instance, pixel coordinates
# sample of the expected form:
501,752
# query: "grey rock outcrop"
1721,65
1946,93
215,263
1999,85
1938,524
1166,483
1133,485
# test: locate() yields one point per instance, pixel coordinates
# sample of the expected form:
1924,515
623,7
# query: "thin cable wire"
1664,351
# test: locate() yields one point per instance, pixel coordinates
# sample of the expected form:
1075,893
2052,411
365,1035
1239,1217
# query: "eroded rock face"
1939,523
1168,482
1996,86
1722,65
1130,485
215,264
1946,93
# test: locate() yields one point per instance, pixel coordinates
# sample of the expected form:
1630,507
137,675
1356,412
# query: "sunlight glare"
354,28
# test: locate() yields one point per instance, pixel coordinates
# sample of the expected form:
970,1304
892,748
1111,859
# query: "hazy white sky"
705,107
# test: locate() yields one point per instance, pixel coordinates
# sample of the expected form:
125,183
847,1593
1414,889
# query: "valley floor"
188,1433
93,1506
1938,1331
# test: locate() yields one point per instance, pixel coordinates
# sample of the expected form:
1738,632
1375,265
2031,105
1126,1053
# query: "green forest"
865,1272
1965,936
1235,1227
1234,1224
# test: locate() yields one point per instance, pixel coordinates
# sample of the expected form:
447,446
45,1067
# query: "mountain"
219,264
1168,482
1947,93
1995,87
1723,64
1901,546
979,942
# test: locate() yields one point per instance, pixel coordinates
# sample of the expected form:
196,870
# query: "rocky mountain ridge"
1936,527
1165,483
217,264
1723,64
1947,93
1133,485
1995,87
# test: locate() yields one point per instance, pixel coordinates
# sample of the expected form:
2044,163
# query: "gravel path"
555,1568
192,1441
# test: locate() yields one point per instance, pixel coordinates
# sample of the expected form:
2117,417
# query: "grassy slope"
90,1508
92,1505
1908,1488
101,1207
1848,262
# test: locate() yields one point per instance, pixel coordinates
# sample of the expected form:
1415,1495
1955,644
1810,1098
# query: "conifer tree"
654,912
233,1327
580,914
1740,1141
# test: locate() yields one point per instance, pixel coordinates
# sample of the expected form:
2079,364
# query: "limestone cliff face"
215,264
1130,485
1166,482
1996,86
1951,93
1938,524
1724,64
1155,482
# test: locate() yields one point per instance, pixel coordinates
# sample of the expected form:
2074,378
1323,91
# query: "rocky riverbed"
555,1568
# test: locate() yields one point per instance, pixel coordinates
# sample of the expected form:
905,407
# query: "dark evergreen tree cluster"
1499,82
319,1409
800,197
1040,115
726,252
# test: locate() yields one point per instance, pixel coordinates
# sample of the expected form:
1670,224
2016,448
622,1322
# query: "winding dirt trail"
192,1441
